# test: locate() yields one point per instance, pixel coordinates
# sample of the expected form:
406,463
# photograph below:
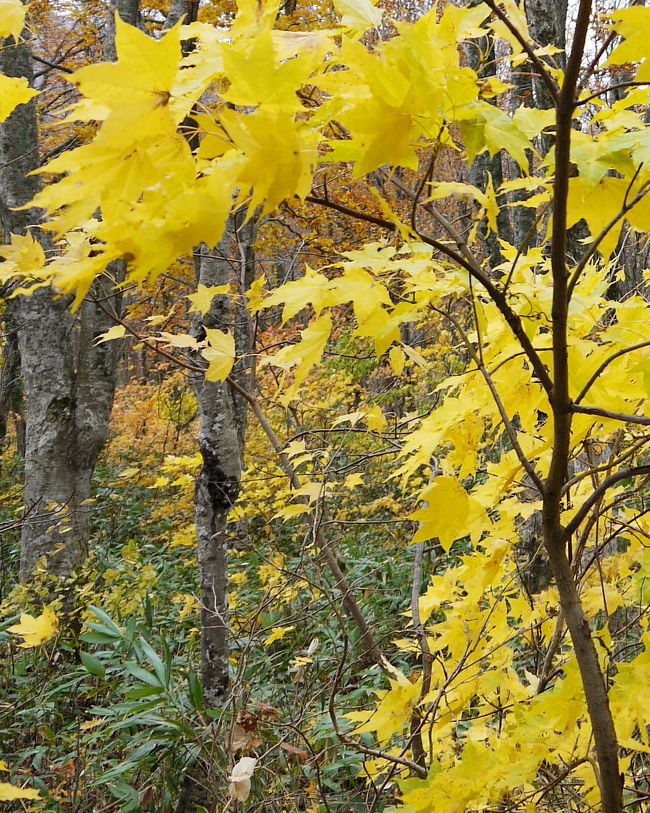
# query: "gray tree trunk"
222,422
68,382
129,11
547,26
179,9
11,391
481,57
222,418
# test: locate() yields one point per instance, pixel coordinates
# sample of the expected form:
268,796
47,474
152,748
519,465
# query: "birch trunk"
221,436
68,382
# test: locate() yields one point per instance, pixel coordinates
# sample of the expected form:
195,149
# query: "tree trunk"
547,26
129,11
222,420
68,392
11,391
221,434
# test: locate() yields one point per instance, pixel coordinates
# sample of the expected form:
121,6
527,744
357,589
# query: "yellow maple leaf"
254,15
358,15
393,711
115,332
277,633
178,340
220,354
449,514
13,91
258,76
353,480
396,359
22,256
37,630
295,295
140,80
277,155
375,420
292,511
634,25
202,299
9,792
303,355
12,19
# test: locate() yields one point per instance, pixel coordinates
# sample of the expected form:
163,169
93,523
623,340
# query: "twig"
642,420
603,366
592,499
325,546
539,65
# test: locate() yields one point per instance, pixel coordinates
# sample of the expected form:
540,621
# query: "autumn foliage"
438,552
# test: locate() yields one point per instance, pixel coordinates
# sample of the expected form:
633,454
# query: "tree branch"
472,267
603,366
539,65
608,482
555,537
57,67
641,420
324,545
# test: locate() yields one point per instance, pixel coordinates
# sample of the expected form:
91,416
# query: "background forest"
323,406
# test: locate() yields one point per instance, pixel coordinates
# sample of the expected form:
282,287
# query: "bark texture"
129,11
11,391
555,536
68,382
222,418
179,9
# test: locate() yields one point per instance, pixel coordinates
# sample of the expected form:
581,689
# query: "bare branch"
642,420
608,482
545,76
603,366
593,247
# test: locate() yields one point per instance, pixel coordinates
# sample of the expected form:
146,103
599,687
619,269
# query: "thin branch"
631,83
603,366
373,752
545,76
151,345
610,464
641,420
339,207
59,67
468,261
547,667
608,482
511,431
593,247
417,745
609,39
325,546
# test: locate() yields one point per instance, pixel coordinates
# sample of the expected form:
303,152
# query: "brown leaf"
299,752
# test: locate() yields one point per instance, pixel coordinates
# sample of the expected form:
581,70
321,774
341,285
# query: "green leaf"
195,693
105,619
98,637
93,665
142,675
155,661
